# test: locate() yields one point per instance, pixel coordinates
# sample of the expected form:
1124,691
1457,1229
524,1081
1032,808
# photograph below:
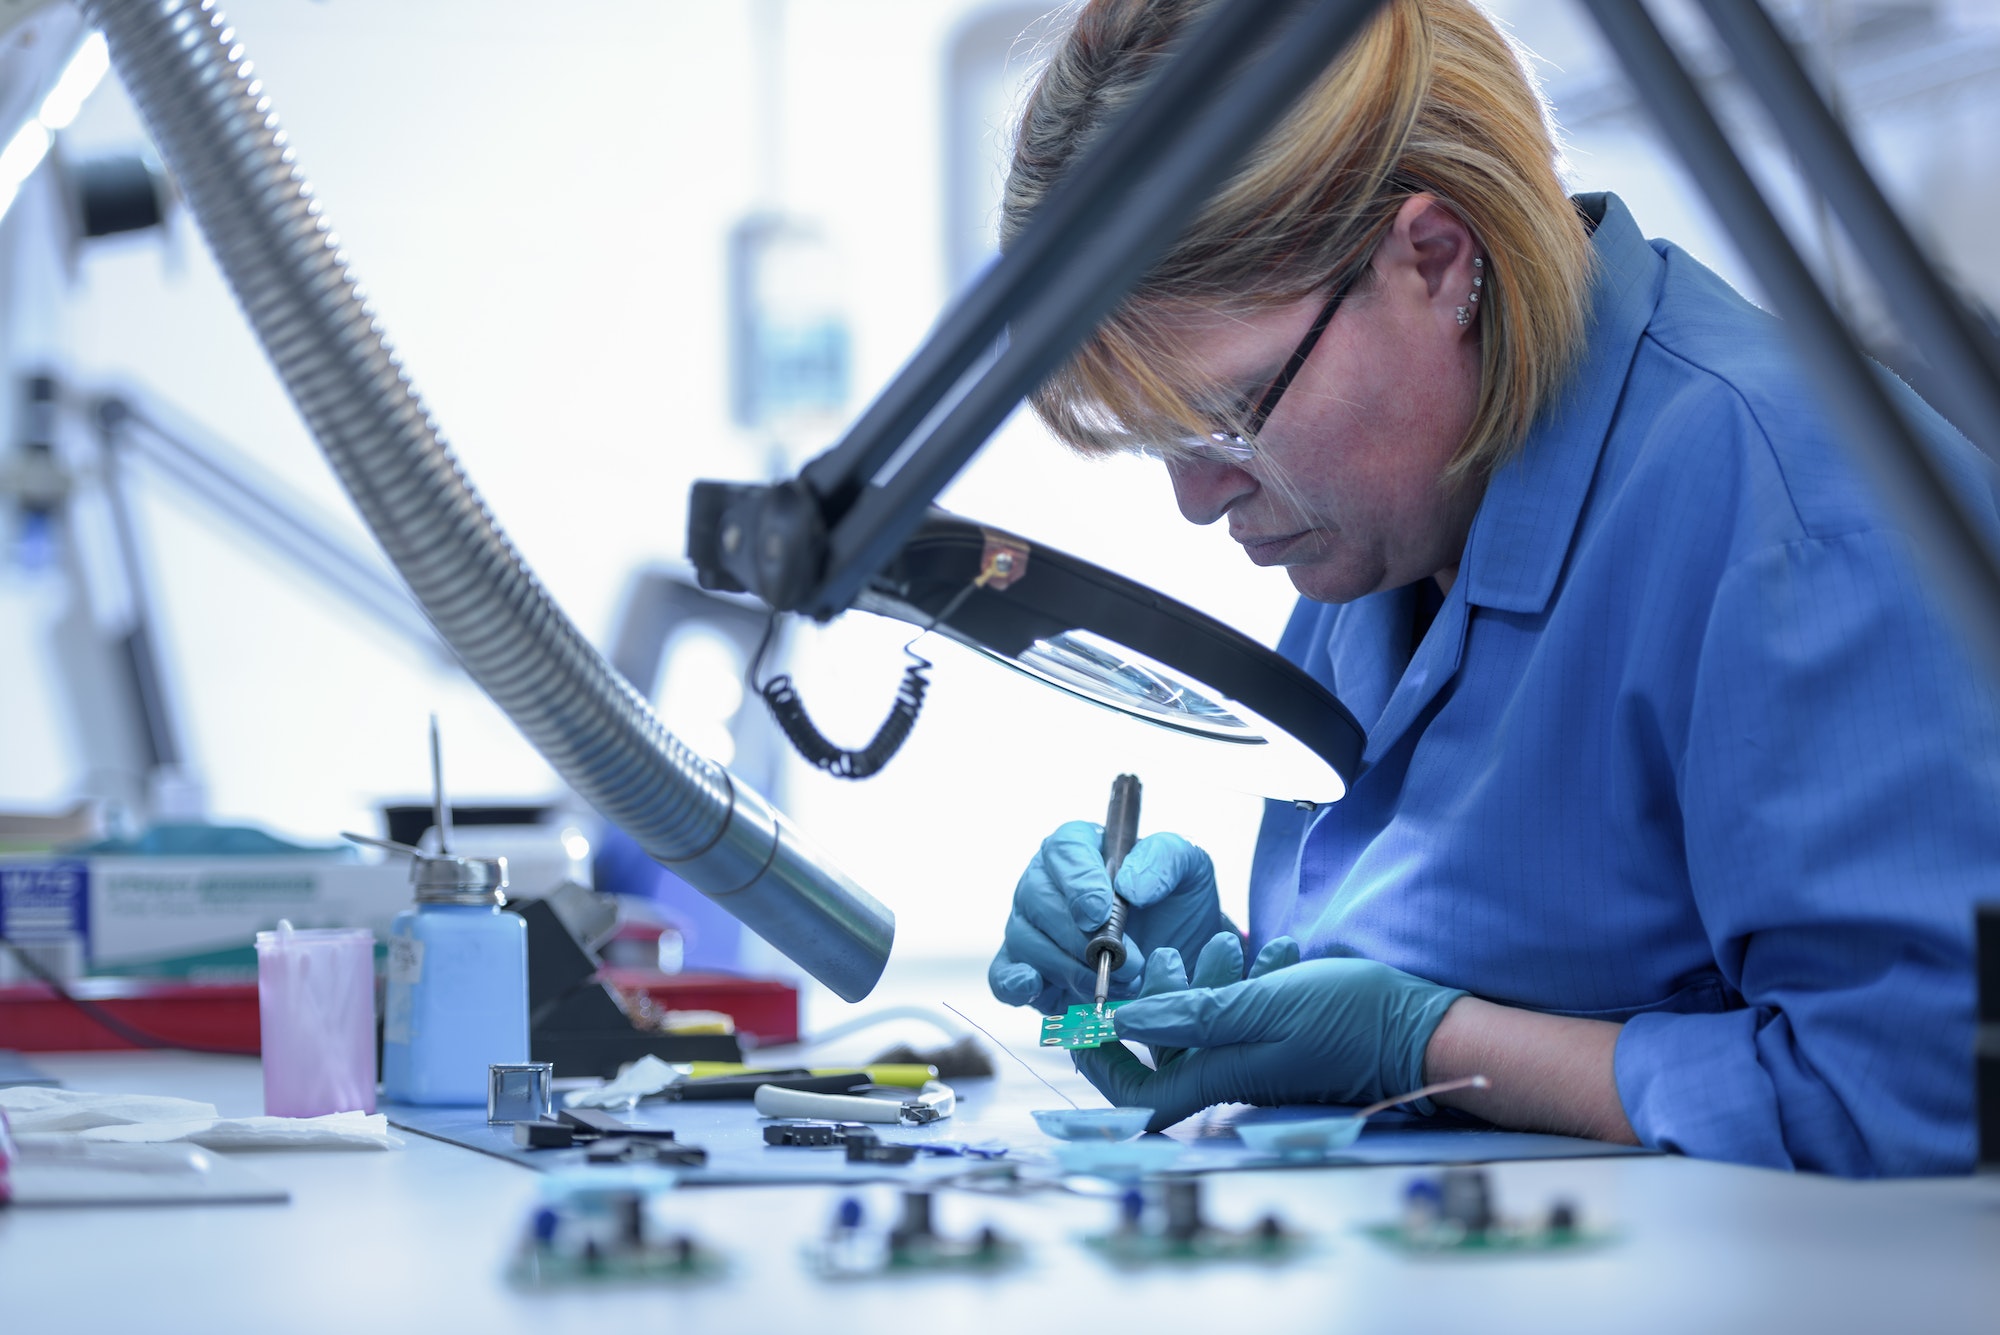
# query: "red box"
224,1015
205,1015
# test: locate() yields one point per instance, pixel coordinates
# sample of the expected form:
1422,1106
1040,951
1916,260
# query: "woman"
1678,788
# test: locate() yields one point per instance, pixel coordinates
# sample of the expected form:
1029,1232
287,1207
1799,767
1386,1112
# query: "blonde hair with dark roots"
1430,98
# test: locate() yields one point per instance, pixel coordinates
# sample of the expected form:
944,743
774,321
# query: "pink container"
316,1000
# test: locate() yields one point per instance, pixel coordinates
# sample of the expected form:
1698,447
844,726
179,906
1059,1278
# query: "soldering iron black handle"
1121,831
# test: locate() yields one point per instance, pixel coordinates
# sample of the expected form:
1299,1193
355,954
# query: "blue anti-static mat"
733,1135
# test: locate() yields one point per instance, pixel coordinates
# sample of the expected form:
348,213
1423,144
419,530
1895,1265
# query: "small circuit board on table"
598,1225
1454,1214
913,1246
1081,1027
1162,1224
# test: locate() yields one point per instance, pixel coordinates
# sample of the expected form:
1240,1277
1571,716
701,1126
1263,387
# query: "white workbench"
414,1239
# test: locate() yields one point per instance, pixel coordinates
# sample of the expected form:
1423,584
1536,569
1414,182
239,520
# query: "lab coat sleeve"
1840,788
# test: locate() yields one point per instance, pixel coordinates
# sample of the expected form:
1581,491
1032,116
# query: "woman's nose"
1206,488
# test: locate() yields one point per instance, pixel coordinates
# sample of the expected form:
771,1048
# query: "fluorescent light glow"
24,153
79,80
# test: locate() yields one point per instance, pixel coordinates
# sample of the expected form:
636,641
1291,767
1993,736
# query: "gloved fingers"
1115,1073
1246,1012
1161,865
1164,973
1043,896
1012,982
1026,944
1073,861
1280,952
1220,963
1128,1083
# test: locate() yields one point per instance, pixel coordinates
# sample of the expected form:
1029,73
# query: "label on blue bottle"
406,960
406,969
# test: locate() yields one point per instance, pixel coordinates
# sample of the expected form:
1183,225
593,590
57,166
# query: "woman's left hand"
1344,1031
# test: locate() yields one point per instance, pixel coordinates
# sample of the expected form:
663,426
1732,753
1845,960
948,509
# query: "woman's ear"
1431,250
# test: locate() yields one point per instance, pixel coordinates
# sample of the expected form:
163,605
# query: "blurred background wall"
550,205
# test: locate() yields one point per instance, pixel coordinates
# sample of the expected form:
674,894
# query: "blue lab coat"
1688,746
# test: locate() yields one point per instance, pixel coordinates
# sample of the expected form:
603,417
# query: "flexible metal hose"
183,67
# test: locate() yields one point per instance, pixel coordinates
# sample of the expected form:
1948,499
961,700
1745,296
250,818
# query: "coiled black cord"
790,712
782,696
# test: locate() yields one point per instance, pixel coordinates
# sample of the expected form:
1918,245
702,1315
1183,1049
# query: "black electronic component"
811,1134
1183,1202
544,1135
866,1147
593,1122
1105,951
914,1228
628,1149
1466,1199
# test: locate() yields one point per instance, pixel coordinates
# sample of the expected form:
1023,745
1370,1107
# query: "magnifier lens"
1107,674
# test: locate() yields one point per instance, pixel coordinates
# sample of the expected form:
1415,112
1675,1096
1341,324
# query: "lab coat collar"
1434,663
1528,517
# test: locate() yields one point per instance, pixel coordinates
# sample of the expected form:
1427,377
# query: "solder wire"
1011,1053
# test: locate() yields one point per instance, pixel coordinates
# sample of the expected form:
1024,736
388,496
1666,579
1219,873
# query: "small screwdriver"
1106,949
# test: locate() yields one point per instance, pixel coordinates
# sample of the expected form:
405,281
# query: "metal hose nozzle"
183,67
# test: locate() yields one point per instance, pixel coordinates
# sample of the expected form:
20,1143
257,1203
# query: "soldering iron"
1106,950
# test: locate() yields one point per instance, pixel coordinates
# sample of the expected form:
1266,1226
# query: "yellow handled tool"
904,1076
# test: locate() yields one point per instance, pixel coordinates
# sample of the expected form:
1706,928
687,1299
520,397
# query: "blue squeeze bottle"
458,973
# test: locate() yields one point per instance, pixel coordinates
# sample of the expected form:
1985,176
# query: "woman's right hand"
1065,896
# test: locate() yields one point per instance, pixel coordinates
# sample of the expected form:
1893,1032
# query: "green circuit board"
1131,1247
1516,1238
1081,1027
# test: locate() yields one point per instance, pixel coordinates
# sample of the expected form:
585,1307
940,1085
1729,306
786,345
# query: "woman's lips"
1271,551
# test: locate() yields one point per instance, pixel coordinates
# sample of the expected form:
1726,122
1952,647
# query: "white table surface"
415,1239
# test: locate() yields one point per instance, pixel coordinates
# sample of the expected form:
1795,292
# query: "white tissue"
147,1119
648,1075
32,1109
334,1131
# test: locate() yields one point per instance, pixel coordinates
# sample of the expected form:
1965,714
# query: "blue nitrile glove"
1345,1031
1064,896
1220,964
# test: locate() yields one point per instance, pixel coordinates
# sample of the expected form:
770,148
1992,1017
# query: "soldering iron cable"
209,115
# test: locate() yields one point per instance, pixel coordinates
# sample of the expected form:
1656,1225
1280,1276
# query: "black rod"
1949,543
1192,78
1127,235
1962,353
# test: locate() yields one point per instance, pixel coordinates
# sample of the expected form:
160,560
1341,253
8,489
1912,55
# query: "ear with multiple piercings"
1472,302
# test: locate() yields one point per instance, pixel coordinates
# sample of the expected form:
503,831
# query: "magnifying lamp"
1251,719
